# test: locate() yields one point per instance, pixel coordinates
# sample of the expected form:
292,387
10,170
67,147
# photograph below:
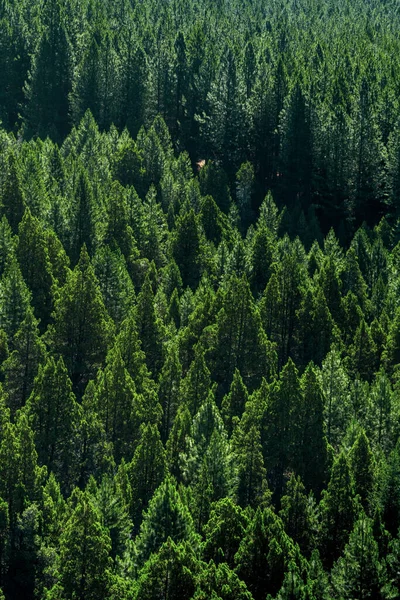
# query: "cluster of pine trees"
199,300
306,90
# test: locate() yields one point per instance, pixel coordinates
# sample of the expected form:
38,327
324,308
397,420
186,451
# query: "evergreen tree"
146,470
82,329
240,340
224,531
338,511
149,328
168,391
12,193
297,515
169,573
187,249
283,425
119,406
233,404
55,418
313,459
50,78
195,386
36,268
167,516
263,554
363,468
84,570
14,299
359,573
21,366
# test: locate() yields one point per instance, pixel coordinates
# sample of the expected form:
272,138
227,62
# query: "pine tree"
14,299
359,573
283,425
196,385
170,573
187,249
313,461
363,353
82,329
49,85
115,283
233,404
12,194
263,554
240,340
251,473
55,418
297,516
21,366
167,516
119,406
84,562
338,511
84,224
220,582
36,268
146,470
335,387
179,442
96,452
224,531
168,391
149,328
6,244
363,467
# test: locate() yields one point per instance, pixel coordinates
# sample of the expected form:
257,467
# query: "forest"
199,300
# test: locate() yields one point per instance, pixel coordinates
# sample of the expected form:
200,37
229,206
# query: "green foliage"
55,418
199,315
82,329
166,517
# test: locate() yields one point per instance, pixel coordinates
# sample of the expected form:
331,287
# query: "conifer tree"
167,516
119,406
168,391
36,268
146,470
297,515
12,195
283,428
233,404
169,573
251,473
263,554
49,83
338,511
115,283
313,464
84,562
335,387
363,467
187,249
82,329
359,573
21,366
240,340
195,386
224,531
55,418
14,299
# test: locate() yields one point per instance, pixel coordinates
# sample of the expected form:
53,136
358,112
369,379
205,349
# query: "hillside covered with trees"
199,300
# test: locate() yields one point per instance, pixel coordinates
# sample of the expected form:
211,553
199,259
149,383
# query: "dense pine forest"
199,300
